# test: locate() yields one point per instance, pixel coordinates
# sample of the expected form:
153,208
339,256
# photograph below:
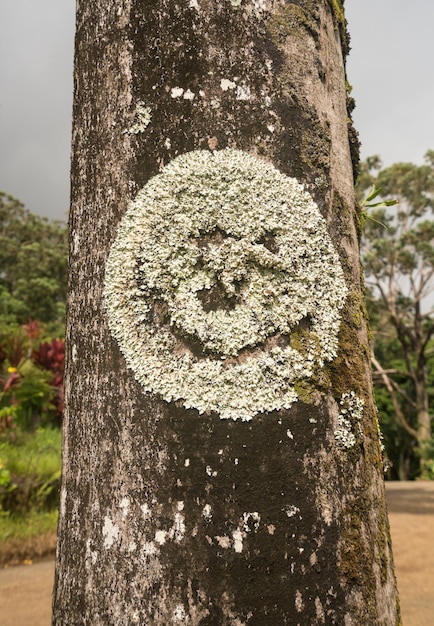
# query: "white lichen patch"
176,92
222,287
179,614
299,604
124,505
146,511
251,521
110,532
320,613
177,532
291,510
91,555
223,541
188,94
143,116
160,537
260,5
237,536
243,92
351,412
149,548
63,494
207,512
226,84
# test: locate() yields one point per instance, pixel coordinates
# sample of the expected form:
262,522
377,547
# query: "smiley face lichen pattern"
222,287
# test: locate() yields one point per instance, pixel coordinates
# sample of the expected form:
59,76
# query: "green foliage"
30,471
33,395
368,204
30,401
33,260
399,267
31,379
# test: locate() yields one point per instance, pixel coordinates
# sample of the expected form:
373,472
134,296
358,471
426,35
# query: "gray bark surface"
168,516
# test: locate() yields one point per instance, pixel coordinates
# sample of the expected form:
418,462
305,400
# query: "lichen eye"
219,294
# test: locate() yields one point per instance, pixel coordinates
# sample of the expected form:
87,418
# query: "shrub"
30,471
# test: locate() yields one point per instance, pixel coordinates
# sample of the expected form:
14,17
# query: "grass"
24,538
36,454
28,526
29,485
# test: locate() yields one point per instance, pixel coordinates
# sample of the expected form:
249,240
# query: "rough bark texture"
168,516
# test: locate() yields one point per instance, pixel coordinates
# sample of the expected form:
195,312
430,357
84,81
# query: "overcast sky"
390,68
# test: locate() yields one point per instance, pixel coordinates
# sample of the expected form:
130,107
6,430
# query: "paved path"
25,591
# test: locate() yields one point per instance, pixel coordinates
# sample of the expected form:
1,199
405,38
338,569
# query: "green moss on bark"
290,19
341,23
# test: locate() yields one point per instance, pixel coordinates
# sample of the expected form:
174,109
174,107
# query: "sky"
390,68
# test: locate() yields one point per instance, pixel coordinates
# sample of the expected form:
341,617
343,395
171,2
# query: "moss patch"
341,23
290,19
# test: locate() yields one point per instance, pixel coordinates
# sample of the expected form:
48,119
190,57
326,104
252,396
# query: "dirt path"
25,594
25,591
411,515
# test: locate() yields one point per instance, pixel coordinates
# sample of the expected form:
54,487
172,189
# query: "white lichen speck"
110,532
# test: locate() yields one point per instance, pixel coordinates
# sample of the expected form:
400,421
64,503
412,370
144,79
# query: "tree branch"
389,386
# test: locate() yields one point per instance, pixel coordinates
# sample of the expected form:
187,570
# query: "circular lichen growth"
222,287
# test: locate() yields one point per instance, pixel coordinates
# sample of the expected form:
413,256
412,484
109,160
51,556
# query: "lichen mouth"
192,345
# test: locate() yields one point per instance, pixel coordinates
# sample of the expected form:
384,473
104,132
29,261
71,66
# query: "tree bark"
170,515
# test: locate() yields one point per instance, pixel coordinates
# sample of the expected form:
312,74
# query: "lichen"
218,263
142,118
349,418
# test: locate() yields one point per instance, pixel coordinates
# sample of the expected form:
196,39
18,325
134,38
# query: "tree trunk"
424,430
232,473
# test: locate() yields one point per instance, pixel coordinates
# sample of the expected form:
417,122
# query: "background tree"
398,256
169,513
33,252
